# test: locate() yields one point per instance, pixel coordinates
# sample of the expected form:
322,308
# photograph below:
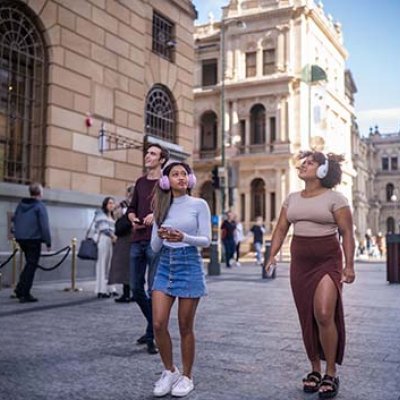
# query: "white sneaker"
183,387
164,385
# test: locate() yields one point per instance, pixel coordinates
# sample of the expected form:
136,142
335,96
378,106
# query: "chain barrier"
68,248
9,258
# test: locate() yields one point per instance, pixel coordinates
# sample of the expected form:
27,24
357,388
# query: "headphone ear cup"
192,180
322,170
164,183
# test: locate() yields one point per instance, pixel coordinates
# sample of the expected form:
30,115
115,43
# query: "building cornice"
186,6
316,17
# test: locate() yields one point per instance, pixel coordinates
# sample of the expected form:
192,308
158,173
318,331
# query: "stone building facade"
383,181
69,66
276,71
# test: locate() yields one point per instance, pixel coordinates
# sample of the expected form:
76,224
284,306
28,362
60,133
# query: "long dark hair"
162,199
104,205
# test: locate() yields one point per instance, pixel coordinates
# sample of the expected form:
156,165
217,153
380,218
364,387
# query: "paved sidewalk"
74,346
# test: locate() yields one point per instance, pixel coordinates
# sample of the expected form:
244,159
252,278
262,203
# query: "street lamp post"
214,267
222,172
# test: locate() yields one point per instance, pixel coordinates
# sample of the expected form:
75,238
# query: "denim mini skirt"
180,273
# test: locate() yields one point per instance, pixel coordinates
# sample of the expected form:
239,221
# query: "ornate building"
69,66
383,182
275,71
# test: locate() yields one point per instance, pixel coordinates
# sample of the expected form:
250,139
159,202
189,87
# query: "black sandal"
313,377
332,383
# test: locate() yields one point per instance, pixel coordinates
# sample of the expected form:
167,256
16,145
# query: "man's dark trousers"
31,249
141,258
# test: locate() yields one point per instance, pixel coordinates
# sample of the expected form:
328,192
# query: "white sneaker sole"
181,394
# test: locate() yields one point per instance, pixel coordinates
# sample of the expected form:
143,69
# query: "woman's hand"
348,275
271,263
174,235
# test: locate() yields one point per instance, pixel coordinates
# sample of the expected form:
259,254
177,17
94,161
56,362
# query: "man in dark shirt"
142,256
228,228
258,231
31,228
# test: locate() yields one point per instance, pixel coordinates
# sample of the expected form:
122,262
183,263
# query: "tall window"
385,163
257,124
389,191
22,95
272,129
160,113
208,194
394,163
257,199
242,130
268,61
208,126
390,225
251,64
163,37
273,205
209,72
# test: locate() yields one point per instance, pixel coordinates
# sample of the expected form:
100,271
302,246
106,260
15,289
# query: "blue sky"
372,37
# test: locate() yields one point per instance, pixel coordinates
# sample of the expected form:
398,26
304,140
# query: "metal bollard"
21,260
73,287
14,265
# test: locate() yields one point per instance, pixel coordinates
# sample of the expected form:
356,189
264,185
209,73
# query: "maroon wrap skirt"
311,259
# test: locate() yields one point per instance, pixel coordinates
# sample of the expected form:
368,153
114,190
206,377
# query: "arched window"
209,130
23,76
389,191
161,113
208,194
257,124
390,225
257,199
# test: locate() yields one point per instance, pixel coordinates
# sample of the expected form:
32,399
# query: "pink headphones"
165,185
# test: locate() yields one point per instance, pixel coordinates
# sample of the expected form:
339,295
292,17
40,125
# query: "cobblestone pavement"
74,346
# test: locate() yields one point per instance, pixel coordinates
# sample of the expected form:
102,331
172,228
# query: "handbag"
88,247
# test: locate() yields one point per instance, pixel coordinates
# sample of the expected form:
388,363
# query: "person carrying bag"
88,248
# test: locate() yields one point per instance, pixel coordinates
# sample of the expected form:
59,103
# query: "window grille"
22,96
160,114
163,37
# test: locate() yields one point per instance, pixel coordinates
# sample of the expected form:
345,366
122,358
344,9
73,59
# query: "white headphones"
322,170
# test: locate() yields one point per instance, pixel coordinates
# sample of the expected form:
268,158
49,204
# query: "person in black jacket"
31,228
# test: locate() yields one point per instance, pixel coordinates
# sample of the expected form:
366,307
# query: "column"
280,51
278,189
246,149
267,210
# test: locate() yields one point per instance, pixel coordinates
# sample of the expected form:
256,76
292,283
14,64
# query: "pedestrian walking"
31,229
239,237
318,214
119,271
182,223
228,228
142,257
258,230
104,227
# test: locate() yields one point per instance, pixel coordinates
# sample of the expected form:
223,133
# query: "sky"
371,31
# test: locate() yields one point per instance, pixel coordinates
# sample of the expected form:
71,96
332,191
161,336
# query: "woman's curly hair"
334,175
